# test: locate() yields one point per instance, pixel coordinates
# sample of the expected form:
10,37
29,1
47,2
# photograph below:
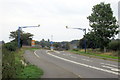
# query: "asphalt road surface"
61,64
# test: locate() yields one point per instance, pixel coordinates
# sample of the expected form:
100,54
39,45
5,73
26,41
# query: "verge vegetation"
112,55
14,65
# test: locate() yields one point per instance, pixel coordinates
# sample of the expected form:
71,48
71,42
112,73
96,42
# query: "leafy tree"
103,24
25,38
57,45
67,46
37,42
14,35
92,40
44,43
81,43
48,40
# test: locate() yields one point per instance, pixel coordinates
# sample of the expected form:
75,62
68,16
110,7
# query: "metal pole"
19,33
52,42
19,37
85,40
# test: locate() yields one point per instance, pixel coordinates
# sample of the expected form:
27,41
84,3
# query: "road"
61,64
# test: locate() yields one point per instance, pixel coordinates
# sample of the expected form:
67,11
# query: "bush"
8,60
11,46
114,45
8,64
75,49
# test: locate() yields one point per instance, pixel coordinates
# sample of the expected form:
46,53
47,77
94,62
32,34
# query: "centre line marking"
93,67
109,64
87,60
73,57
114,69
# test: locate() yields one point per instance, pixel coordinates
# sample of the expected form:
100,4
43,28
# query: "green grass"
31,71
95,54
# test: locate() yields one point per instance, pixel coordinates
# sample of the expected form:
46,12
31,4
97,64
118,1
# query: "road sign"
51,42
33,43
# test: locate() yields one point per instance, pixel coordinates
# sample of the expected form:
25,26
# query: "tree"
103,23
57,45
92,40
25,38
37,42
81,43
44,43
67,46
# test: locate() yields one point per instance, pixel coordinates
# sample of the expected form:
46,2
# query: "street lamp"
84,30
51,47
19,29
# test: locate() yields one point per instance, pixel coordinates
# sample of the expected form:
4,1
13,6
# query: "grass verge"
31,71
26,71
103,56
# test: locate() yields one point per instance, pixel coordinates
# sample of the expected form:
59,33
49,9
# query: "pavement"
61,64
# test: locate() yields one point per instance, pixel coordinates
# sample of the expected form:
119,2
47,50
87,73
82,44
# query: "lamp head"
39,25
66,27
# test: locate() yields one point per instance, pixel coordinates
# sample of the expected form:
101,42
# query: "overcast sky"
52,15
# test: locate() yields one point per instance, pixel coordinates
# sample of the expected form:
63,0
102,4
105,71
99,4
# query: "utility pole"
19,29
85,39
51,43
84,30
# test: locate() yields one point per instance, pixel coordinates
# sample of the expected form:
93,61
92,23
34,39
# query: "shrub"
75,49
114,45
8,64
11,46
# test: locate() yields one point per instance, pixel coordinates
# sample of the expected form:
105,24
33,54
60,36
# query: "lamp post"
19,29
84,30
51,43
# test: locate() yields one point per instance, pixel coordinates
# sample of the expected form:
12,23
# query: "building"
119,18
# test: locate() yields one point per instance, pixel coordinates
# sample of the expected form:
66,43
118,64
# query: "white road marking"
57,52
87,60
114,69
93,67
79,76
109,64
36,54
73,56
